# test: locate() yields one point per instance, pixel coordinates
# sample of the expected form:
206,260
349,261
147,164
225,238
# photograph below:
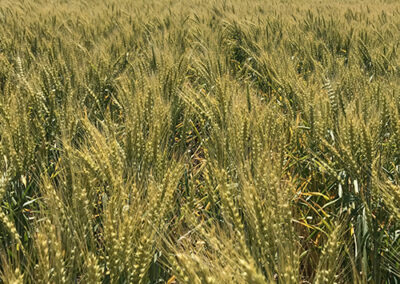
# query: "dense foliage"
199,141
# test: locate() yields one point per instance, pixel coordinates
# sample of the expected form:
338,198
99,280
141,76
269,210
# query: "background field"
199,141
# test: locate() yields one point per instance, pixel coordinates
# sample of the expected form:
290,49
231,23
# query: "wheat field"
199,141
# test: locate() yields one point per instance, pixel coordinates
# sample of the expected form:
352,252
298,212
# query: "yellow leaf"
171,280
23,180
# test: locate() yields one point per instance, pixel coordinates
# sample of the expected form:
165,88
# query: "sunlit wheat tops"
199,141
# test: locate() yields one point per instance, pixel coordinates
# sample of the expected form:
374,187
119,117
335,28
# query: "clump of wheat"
199,141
